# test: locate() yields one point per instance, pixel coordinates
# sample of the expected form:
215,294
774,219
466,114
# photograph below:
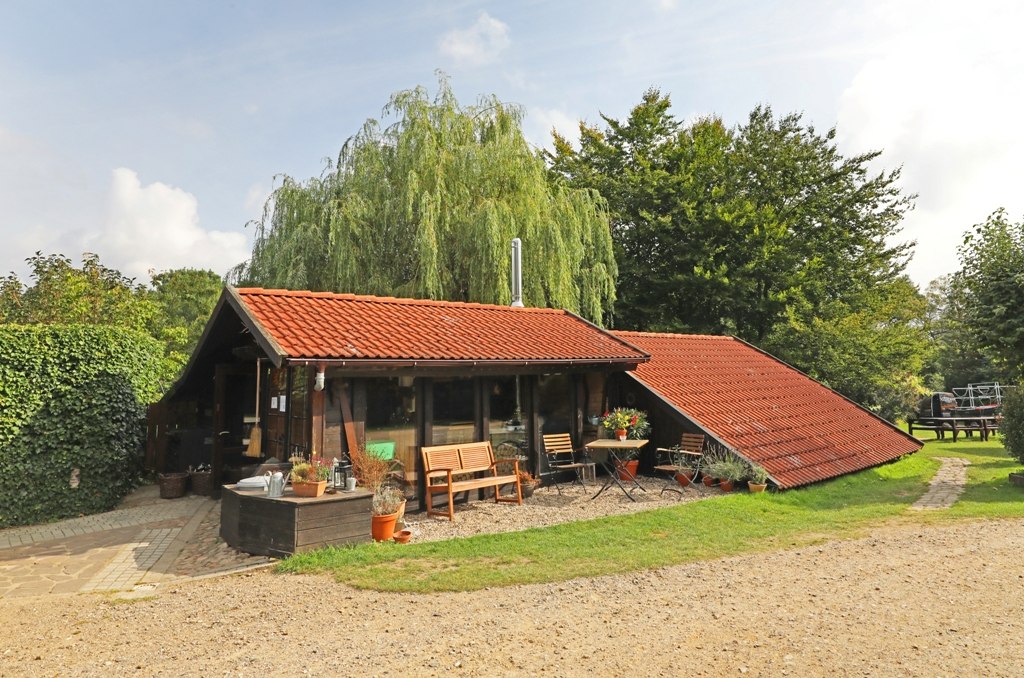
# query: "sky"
151,133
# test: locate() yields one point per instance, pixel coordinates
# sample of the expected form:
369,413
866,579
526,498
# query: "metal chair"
687,455
562,457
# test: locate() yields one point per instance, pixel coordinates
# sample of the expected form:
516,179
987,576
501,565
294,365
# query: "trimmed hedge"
1012,428
72,408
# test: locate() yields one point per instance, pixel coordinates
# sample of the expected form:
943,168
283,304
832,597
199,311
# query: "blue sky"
151,132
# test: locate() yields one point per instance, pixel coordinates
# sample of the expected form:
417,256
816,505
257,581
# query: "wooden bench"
936,425
443,462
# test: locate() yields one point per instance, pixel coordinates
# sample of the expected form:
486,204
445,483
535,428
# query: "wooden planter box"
254,523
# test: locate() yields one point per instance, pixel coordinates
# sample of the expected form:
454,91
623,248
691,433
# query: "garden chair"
562,457
673,460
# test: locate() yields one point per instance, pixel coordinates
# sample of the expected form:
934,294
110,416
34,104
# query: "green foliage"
63,294
1012,428
71,397
723,231
428,206
992,275
870,347
184,298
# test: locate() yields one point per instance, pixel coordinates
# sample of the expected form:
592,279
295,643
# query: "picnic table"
981,424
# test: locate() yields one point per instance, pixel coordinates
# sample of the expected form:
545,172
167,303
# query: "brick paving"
946,486
145,542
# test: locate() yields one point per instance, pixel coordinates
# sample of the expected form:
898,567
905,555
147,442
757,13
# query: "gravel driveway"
904,601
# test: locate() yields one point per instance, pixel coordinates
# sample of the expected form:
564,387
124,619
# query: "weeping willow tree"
427,207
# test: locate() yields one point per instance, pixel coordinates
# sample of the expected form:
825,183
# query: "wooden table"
609,463
251,521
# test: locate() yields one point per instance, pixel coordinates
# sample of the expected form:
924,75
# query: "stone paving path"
946,486
147,542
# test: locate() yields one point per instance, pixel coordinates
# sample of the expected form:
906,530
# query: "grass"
730,525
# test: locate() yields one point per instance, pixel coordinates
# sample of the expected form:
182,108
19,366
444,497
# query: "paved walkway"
146,542
946,486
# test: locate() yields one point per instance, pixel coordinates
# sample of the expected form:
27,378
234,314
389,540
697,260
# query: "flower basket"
202,482
309,489
172,485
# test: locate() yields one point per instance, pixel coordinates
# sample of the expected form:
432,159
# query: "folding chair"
687,455
562,457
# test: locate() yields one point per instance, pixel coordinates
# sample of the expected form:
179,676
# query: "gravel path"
907,601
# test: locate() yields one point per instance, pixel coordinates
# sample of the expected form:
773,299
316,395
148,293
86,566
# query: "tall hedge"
72,417
1013,424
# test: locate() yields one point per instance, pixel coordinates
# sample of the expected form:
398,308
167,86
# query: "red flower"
633,422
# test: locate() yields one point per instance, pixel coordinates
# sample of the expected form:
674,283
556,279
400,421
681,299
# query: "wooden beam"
346,418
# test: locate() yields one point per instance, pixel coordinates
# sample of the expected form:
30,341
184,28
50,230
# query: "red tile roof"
309,325
765,410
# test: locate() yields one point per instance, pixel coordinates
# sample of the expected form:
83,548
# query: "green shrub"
72,412
1012,428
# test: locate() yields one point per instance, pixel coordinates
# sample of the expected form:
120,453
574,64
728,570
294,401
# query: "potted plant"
528,483
757,478
627,422
731,471
309,479
388,504
384,512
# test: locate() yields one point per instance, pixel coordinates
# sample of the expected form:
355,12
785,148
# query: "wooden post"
346,417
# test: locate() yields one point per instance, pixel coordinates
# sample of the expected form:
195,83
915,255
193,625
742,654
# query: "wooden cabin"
340,370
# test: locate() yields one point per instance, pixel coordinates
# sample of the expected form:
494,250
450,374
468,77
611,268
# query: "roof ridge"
637,333
404,301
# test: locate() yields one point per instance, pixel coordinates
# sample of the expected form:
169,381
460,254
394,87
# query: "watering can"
275,484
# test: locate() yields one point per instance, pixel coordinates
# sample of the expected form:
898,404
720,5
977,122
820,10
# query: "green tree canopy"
960,359
63,294
992,276
428,206
871,347
722,230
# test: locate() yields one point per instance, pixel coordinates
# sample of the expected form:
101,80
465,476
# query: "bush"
1012,428
72,417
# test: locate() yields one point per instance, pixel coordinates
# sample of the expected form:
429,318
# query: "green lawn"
738,523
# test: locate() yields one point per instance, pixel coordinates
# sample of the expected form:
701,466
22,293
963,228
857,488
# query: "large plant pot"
709,481
685,477
172,485
309,489
632,466
382,528
726,485
527,489
756,487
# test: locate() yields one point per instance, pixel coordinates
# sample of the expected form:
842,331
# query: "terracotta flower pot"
684,479
709,481
309,489
631,465
621,433
403,537
382,528
726,485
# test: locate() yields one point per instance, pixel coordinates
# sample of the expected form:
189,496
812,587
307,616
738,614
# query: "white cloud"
255,199
157,227
479,44
941,95
540,121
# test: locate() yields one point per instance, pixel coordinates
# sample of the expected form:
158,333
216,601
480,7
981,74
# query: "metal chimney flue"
517,273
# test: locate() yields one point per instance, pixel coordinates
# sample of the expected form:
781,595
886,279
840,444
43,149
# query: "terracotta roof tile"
309,325
769,413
